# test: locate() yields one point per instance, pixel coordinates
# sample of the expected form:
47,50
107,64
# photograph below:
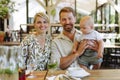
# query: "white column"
5,24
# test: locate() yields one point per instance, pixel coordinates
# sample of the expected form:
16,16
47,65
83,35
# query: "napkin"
77,72
51,78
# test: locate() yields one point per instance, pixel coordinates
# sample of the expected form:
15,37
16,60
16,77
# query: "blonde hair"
42,15
87,20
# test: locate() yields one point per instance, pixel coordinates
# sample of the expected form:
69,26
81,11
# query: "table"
111,46
101,74
105,74
40,75
9,43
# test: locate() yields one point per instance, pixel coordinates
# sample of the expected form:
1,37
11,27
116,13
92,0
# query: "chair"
106,57
111,57
116,57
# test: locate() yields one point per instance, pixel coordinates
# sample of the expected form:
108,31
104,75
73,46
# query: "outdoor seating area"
40,38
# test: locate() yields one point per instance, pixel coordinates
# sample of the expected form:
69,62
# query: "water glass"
52,66
31,67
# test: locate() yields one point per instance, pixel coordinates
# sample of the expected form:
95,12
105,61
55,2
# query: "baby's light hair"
87,20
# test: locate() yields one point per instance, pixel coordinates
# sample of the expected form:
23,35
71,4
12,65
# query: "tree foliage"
6,7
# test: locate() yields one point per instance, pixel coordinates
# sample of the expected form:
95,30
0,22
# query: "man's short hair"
67,9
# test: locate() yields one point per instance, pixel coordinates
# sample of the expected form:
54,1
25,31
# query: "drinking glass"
31,67
52,66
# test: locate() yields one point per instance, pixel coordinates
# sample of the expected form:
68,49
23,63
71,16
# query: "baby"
92,37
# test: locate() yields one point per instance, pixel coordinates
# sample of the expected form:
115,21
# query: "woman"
36,46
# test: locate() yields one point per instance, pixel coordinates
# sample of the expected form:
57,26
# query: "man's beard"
68,27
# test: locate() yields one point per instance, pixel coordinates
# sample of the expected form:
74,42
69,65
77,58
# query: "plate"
65,77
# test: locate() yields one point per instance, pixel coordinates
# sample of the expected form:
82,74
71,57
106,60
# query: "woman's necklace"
41,40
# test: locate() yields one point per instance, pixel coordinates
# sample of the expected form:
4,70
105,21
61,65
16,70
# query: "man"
62,45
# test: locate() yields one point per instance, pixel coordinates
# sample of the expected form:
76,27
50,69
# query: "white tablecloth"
10,57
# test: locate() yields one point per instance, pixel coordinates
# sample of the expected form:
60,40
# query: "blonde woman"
36,46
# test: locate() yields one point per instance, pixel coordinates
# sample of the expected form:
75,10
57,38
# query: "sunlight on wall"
19,17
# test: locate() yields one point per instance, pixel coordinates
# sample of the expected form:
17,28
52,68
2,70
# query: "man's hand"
93,45
81,48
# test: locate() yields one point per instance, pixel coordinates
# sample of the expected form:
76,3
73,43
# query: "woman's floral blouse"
33,53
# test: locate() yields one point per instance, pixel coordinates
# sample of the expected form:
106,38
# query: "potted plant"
6,7
2,34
